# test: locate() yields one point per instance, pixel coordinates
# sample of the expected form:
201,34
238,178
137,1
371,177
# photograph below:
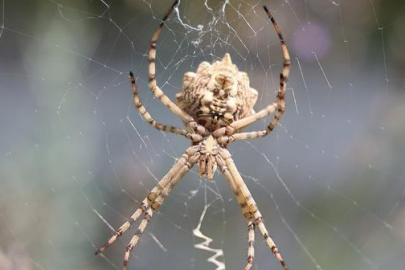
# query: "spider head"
207,162
217,94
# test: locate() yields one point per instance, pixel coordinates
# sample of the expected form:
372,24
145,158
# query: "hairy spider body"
215,104
217,94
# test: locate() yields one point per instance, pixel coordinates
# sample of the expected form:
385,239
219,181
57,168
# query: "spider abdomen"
217,94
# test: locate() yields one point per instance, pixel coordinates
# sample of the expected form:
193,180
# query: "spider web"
77,158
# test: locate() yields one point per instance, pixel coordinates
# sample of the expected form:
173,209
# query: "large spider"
215,104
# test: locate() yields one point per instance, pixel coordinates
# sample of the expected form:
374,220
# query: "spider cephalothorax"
217,94
215,104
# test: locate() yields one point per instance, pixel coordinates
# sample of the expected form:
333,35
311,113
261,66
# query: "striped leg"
174,172
251,243
145,221
142,110
139,232
186,118
233,177
278,105
245,210
154,206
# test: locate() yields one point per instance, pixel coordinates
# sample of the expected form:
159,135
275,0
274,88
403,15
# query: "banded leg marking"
154,206
186,118
234,178
146,203
278,106
145,114
251,244
245,210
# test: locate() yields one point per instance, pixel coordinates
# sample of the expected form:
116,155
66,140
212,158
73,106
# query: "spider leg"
251,243
234,179
186,118
278,106
246,213
145,114
186,160
155,205
134,240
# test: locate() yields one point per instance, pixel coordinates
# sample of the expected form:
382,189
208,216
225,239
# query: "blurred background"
76,158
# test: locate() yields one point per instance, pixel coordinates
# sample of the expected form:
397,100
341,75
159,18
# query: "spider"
215,104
